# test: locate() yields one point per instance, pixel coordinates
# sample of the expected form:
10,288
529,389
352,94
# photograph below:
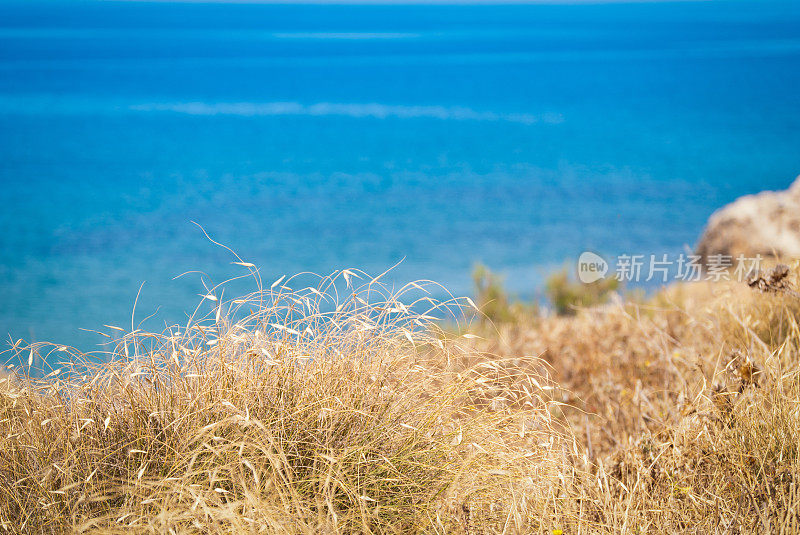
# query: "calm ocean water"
322,137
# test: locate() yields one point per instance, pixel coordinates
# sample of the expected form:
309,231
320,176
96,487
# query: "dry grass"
336,409
326,409
687,408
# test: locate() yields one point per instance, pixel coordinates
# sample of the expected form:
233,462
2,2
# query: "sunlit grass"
346,407
326,409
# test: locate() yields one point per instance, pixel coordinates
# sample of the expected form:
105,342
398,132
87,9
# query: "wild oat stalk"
334,408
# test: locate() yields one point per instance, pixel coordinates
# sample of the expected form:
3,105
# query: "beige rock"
767,223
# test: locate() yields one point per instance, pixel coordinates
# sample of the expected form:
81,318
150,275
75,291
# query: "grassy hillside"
346,408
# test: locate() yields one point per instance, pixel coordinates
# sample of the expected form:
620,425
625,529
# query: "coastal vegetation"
346,407
564,294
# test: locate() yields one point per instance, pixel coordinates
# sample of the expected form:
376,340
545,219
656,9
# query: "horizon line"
418,2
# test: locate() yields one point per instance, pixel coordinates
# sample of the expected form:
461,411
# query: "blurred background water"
311,138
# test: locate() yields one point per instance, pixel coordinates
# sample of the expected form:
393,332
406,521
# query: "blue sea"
319,137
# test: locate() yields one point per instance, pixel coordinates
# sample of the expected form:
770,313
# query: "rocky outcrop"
767,223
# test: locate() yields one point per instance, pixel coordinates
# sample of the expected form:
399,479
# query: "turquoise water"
323,137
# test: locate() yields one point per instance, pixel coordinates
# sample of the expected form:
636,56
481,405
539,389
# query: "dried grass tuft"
347,408
335,408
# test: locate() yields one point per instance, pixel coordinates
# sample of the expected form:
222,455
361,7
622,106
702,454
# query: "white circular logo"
591,267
